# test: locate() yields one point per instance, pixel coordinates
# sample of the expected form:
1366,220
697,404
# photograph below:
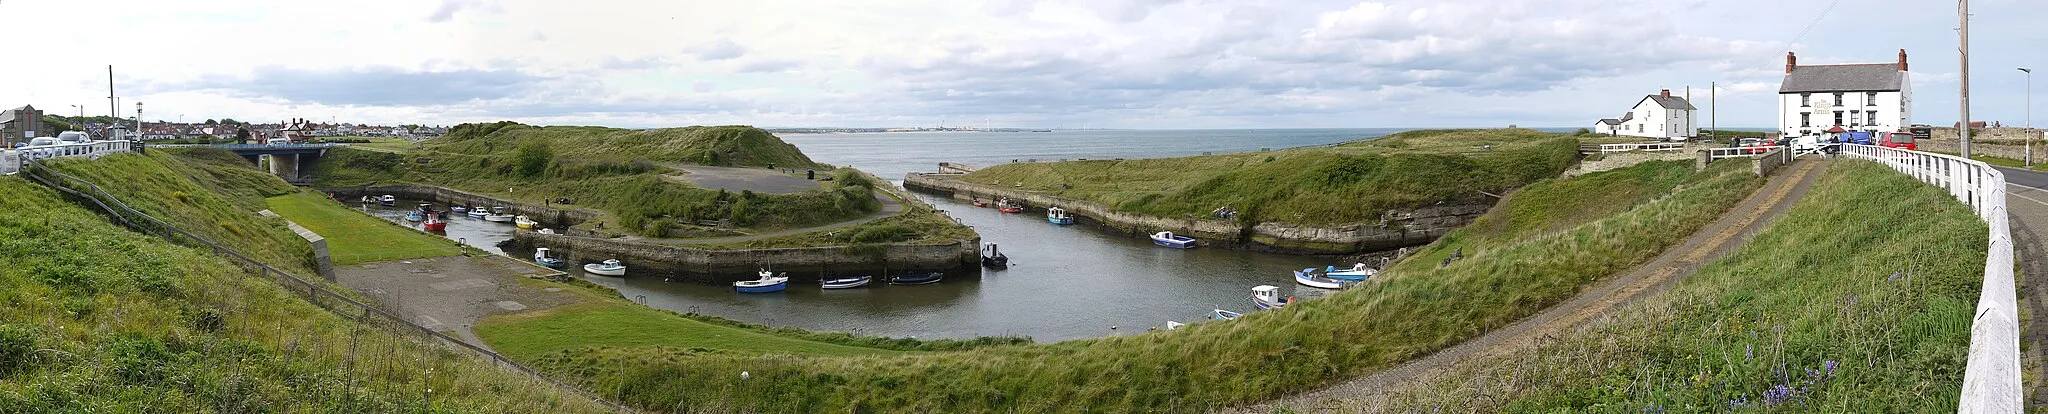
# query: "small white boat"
1168,239
523,222
1171,325
1058,215
547,231
847,282
458,209
1268,297
768,282
542,256
478,212
498,215
1309,277
1356,272
387,200
610,267
1223,315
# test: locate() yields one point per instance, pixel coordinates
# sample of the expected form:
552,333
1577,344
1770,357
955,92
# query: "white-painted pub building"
1874,97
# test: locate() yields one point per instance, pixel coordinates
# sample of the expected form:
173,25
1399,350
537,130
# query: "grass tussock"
96,318
1346,184
1206,365
1857,300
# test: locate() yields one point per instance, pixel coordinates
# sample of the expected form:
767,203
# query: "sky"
995,63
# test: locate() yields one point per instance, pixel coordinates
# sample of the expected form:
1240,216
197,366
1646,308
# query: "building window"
1805,119
1639,127
1870,98
1838,99
1838,117
1805,99
1872,115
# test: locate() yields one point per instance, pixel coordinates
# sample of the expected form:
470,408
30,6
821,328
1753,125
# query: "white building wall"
1893,112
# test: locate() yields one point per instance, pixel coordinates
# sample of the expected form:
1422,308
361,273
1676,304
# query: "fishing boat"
1268,297
1356,272
1007,206
498,215
425,208
387,200
1168,239
992,257
610,267
524,223
847,282
1223,315
768,282
1311,278
415,216
458,209
546,257
435,223
1058,215
478,212
979,203
916,278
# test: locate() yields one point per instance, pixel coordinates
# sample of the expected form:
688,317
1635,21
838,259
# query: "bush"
534,158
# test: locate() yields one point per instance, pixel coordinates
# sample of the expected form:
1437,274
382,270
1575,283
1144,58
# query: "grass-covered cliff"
1345,184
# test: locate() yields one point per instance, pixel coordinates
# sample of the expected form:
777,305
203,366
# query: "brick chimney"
1790,62
1902,60
1666,93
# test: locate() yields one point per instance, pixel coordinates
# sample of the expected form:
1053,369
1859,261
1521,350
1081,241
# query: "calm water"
1066,282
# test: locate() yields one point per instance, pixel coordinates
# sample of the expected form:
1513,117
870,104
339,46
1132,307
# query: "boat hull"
435,226
847,283
498,219
601,270
1224,315
550,263
1317,282
995,262
1060,220
775,287
1175,244
925,279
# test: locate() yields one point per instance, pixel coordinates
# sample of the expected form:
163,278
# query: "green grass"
354,237
1347,184
96,318
529,335
1872,273
209,192
1409,313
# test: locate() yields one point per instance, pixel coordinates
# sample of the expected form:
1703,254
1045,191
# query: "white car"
74,137
40,148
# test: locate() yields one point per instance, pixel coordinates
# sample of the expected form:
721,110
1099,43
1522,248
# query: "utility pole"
1714,105
1965,30
113,107
2029,162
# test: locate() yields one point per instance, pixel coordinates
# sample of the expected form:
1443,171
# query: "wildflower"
1740,401
1830,367
1778,394
1748,352
1895,276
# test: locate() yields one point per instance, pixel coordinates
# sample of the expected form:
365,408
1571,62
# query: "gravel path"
452,293
759,180
1724,235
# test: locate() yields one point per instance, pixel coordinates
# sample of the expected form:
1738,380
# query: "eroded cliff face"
1396,228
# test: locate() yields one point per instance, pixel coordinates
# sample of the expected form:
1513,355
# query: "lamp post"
2029,163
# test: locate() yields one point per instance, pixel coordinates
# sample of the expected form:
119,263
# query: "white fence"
1652,146
1734,152
1991,382
12,158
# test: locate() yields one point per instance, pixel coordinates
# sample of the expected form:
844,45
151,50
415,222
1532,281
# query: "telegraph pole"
113,108
1965,30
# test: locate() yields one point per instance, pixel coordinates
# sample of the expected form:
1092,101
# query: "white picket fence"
1991,382
10,160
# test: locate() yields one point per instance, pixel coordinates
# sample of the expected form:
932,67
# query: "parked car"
278,141
1902,140
74,137
42,147
1755,145
1858,138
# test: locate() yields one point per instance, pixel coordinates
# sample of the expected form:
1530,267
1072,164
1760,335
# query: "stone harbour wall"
548,216
808,264
1396,228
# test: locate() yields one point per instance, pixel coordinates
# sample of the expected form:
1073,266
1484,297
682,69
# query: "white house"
1660,116
1874,97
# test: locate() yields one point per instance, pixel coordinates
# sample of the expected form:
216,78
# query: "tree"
241,135
57,125
212,122
533,158
230,121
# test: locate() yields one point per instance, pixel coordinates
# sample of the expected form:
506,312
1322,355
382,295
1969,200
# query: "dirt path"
890,206
452,293
759,180
1724,235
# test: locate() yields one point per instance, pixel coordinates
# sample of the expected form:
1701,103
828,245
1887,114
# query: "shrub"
534,158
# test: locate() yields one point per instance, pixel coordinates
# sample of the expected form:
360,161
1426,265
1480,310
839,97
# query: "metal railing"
317,294
1991,381
1644,146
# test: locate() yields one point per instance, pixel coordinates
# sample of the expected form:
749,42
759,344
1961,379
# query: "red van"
1902,140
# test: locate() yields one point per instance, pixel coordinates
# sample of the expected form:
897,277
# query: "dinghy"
610,267
847,282
916,278
415,216
1309,277
387,200
458,209
1223,315
1168,239
768,282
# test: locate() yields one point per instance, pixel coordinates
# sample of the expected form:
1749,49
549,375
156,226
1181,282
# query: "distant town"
20,124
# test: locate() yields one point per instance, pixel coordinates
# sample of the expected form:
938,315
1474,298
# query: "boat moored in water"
768,282
917,278
498,215
387,200
435,223
1268,297
415,216
1311,278
1356,272
1007,206
524,223
992,257
546,257
1168,239
610,267
1223,315
847,282
458,209
1058,215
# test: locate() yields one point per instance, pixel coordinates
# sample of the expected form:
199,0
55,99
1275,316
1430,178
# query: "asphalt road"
2026,205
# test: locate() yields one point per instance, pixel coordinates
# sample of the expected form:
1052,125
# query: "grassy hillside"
95,318
1407,314
729,146
1352,183
354,237
1858,300
210,192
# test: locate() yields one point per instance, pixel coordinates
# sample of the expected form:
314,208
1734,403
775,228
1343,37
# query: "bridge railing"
15,157
1991,381
1646,146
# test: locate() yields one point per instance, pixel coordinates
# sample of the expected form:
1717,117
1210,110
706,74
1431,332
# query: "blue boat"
541,256
415,216
1356,272
1168,239
1059,216
847,282
917,278
1224,315
767,283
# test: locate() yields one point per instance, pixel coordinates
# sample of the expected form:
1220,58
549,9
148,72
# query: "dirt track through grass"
1708,244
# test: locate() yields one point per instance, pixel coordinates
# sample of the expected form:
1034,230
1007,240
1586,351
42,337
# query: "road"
1725,235
2026,205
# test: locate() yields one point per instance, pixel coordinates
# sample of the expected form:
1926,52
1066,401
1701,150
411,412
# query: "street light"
2030,97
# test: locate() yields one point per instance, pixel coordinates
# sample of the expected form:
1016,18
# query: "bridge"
287,161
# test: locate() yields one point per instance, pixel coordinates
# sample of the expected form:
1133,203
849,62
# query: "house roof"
1625,116
1880,77
1609,121
1671,102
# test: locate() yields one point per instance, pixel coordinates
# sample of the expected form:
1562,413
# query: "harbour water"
1067,282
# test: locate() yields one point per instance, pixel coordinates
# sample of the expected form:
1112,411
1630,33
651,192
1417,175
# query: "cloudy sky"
1003,63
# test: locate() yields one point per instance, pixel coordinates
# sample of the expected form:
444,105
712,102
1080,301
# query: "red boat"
435,223
979,203
1008,206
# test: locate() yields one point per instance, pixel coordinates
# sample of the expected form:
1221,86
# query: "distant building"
20,124
1660,116
1873,97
